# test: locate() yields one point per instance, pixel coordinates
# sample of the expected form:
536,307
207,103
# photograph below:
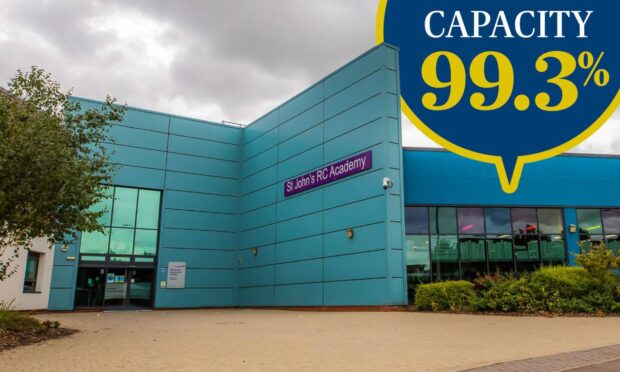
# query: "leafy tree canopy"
53,160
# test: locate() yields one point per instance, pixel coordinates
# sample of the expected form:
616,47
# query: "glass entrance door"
128,288
89,291
140,293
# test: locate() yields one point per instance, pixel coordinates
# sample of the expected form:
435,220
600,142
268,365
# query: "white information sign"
176,275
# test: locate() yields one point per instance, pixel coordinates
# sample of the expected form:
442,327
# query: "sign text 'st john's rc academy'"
356,164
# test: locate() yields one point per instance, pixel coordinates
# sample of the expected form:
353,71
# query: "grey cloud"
62,23
212,59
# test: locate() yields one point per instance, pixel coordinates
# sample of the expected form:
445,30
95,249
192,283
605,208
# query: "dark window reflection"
445,257
473,256
416,220
500,253
497,220
550,221
442,221
611,221
418,262
471,221
526,253
553,250
590,222
524,221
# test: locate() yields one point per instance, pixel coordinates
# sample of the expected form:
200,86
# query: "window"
471,221
445,257
131,220
497,220
443,221
551,229
524,221
32,272
124,211
416,220
462,243
550,221
611,221
598,226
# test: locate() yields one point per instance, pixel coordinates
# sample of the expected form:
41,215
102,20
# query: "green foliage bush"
593,288
446,296
14,321
504,293
11,320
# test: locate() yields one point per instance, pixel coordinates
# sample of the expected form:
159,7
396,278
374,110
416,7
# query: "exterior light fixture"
572,228
255,251
350,233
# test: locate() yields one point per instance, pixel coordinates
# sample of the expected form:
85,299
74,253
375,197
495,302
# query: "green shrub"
11,320
566,281
446,296
593,288
599,262
569,290
505,294
14,321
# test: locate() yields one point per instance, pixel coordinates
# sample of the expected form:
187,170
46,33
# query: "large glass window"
105,205
445,257
501,254
124,211
467,242
418,261
497,220
590,222
131,218
95,242
524,221
416,220
442,221
598,226
611,221
550,221
145,243
473,256
148,209
471,221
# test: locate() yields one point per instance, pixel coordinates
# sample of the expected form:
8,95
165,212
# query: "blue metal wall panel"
442,178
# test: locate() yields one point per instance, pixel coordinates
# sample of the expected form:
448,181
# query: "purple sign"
345,168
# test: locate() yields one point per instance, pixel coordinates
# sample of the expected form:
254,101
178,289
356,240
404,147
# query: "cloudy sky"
210,59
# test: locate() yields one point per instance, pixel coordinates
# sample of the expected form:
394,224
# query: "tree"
53,160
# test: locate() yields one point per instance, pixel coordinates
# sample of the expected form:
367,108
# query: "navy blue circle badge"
505,82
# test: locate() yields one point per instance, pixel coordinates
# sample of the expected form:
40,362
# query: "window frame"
117,260
605,236
33,288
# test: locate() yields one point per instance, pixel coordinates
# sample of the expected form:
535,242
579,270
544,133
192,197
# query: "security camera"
387,183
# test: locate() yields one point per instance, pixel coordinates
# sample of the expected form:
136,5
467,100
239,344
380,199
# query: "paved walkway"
262,340
601,359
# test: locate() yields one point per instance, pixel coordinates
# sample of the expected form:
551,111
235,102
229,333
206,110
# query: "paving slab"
273,340
600,359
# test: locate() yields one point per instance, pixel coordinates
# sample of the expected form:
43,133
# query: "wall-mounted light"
350,233
572,228
255,251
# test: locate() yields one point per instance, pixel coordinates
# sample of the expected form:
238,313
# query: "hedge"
446,296
593,288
